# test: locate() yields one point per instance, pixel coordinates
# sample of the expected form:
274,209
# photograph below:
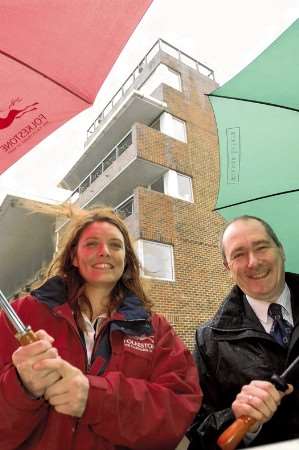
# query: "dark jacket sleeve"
213,417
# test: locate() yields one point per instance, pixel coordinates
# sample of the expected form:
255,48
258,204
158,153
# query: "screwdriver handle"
234,434
27,337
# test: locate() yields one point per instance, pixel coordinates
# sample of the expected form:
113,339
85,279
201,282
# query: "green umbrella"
258,128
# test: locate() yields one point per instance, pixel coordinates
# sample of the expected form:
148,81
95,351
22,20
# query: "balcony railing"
112,156
126,208
159,45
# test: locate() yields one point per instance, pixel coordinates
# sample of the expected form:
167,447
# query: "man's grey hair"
269,230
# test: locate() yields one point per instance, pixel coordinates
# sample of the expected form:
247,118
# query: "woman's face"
100,254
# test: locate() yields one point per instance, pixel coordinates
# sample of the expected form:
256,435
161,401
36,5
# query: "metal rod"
12,315
290,368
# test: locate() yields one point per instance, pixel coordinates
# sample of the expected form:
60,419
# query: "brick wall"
192,228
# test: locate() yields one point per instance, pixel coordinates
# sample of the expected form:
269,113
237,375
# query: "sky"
226,35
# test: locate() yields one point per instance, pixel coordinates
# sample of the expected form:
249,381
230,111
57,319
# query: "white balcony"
120,179
134,108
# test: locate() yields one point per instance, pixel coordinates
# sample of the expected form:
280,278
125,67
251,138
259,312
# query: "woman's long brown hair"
62,263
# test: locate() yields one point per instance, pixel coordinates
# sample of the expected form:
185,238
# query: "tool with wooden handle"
234,434
24,334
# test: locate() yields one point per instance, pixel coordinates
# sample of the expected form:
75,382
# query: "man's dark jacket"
233,349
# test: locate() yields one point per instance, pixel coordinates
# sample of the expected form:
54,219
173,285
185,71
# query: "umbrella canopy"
258,130
54,56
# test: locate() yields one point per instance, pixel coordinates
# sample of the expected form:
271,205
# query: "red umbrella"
54,56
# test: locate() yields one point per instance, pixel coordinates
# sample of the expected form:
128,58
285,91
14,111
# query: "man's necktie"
281,329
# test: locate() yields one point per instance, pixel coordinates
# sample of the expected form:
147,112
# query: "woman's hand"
24,359
68,395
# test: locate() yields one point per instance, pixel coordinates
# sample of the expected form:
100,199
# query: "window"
174,127
162,74
158,185
126,208
173,78
184,188
174,184
156,259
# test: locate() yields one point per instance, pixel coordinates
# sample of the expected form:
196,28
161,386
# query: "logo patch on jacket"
140,343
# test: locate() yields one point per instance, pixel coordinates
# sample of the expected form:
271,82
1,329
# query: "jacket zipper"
61,316
98,338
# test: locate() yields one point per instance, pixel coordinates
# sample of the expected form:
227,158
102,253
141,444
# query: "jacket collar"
54,294
235,312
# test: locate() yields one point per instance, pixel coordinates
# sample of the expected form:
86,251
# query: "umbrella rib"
257,198
45,76
255,101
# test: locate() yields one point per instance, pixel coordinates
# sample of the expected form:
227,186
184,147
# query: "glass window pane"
162,74
173,79
173,127
157,260
184,188
179,129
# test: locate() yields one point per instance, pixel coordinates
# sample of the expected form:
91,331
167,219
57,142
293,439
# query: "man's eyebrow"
262,241
237,249
254,244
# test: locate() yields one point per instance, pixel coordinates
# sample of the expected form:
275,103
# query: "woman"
106,373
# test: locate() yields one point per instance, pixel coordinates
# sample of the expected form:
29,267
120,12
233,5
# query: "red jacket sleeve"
19,414
152,413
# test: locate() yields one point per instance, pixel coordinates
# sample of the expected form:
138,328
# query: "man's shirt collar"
260,307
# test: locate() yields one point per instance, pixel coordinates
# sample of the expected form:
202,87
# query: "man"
242,346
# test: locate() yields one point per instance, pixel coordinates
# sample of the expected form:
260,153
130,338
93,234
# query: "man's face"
255,262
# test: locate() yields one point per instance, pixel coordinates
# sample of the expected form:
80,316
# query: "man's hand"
24,359
68,395
259,400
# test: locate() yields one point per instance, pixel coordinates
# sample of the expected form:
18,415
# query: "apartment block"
152,155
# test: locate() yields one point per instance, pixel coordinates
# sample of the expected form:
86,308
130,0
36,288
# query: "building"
152,155
27,240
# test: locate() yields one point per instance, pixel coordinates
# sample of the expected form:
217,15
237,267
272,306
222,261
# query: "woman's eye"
91,244
116,245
